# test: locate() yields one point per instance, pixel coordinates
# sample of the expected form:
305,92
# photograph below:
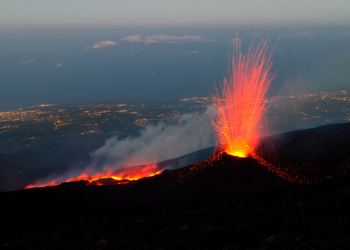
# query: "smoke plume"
157,143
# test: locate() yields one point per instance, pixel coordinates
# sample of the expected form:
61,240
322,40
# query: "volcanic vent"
220,176
224,175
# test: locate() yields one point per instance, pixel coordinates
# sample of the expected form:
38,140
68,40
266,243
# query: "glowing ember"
241,105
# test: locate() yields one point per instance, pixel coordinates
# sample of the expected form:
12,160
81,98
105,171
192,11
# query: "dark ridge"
223,202
42,210
313,154
15,178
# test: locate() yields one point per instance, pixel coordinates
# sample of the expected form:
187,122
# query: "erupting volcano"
241,105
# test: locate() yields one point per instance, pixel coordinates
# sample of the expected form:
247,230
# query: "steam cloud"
157,143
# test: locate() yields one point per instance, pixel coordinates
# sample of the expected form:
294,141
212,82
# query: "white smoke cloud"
158,143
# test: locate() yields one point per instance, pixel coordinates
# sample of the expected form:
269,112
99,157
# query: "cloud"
27,61
172,39
133,39
166,39
191,52
103,44
59,64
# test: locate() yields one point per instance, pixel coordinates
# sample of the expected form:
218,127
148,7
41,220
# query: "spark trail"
240,100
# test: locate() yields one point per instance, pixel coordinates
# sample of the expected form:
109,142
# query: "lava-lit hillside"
301,157
222,201
219,176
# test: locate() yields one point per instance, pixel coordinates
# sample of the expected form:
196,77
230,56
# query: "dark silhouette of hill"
49,156
316,153
304,148
26,168
223,202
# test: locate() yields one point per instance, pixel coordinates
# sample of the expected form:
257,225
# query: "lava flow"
241,105
121,177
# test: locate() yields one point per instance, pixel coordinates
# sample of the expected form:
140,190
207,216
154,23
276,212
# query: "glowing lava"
241,105
125,175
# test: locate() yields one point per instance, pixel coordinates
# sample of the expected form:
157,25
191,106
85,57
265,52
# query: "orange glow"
241,104
125,175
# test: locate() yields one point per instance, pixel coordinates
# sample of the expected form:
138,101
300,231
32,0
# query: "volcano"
297,199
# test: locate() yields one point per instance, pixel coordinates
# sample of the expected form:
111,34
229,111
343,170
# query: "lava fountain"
240,100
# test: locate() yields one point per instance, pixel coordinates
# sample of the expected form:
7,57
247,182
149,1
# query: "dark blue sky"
95,51
151,13
93,65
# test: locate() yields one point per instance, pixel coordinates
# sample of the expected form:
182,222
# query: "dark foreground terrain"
222,203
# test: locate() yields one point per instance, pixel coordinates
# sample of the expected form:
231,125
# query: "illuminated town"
58,121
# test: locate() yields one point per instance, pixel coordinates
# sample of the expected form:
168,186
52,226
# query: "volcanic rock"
108,181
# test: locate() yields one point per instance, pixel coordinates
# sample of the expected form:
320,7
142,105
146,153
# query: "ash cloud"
190,133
